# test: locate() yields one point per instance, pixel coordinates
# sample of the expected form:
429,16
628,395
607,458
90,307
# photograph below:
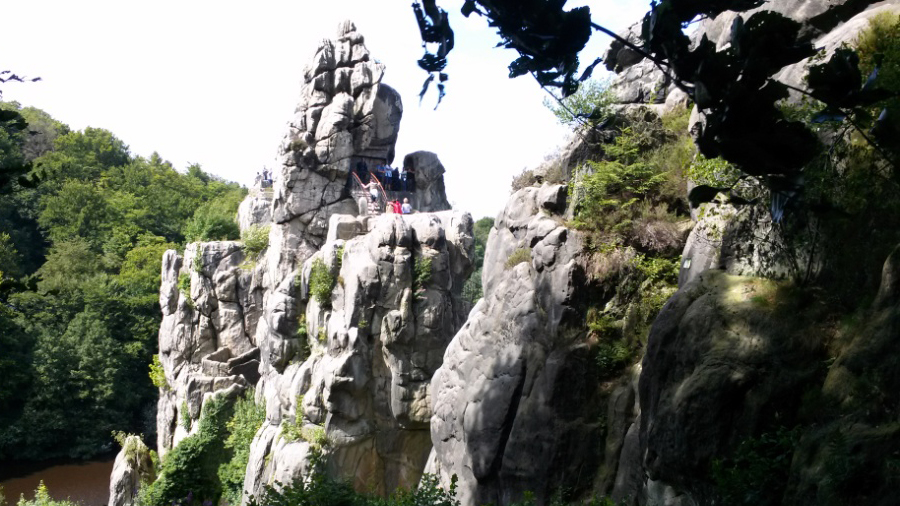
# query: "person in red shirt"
397,207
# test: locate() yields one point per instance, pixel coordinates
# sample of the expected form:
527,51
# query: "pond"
87,483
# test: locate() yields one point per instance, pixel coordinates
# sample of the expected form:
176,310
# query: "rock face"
375,343
719,366
211,308
514,401
639,81
256,210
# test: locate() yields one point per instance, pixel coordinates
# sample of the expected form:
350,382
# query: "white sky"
214,82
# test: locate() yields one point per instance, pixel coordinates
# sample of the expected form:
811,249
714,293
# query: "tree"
733,87
591,104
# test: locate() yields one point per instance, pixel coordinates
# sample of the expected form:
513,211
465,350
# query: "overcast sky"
214,82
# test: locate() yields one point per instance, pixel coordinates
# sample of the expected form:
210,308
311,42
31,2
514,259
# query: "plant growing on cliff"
247,419
158,374
634,195
321,283
524,179
256,240
184,284
422,277
293,431
520,255
185,416
189,473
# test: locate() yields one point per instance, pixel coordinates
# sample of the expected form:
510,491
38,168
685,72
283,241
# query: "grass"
517,257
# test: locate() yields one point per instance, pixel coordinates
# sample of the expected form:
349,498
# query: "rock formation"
375,343
132,469
344,375
518,395
353,331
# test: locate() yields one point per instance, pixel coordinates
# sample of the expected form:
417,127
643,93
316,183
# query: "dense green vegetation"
472,290
80,255
190,471
321,490
630,205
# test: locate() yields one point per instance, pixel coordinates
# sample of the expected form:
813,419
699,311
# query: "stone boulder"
430,195
255,209
132,469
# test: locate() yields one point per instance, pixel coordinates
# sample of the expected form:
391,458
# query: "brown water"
86,483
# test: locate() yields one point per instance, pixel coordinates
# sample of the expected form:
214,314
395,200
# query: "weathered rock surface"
517,398
350,376
720,365
374,347
133,468
256,209
210,307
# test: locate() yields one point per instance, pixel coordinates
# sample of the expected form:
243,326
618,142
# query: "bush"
190,473
423,273
635,195
255,239
185,416
322,490
184,284
517,257
525,179
42,498
757,473
158,374
215,220
321,283
248,418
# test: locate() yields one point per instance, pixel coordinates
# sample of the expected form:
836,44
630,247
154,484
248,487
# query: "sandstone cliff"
351,368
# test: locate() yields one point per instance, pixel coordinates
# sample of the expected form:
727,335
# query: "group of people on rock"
263,180
390,178
398,208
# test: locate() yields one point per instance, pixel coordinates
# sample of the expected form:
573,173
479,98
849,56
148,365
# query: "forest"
80,246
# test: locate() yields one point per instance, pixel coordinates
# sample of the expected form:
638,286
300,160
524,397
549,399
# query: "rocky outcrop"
256,209
132,469
721,365
518,395
211,304
345,376
375,342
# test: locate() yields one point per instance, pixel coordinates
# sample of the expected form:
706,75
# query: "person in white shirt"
406,208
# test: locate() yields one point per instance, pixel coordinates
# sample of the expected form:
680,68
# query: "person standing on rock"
372,186
397,207
410,176
401,177
388,177
406,208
